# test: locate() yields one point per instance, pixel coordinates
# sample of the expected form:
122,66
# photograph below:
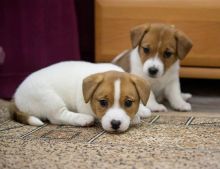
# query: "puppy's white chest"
157,86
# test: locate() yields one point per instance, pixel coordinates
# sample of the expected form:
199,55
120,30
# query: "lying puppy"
75,93
157,49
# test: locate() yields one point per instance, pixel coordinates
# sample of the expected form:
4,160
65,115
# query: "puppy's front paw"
183,107
158,108
136,120
84,120
186,96
143,112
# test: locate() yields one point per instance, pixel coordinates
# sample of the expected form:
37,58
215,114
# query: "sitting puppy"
157,49
74,93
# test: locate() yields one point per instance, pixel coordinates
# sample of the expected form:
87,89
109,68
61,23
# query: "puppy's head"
115,97
159,46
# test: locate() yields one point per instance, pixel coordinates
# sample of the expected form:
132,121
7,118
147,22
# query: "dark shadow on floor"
206,94
201,87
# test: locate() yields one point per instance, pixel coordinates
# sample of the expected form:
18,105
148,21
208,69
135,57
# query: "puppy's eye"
128,103
103,103
146,50
167,54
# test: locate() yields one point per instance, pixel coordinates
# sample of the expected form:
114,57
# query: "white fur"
154,62
117,93
116,112
143,111
55,93
34,121
167,85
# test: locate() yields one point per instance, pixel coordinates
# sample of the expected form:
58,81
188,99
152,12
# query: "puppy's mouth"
152,76
115,126
113,129
153,72
115,120
153,67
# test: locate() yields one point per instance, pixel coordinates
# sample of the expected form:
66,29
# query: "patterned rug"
165,140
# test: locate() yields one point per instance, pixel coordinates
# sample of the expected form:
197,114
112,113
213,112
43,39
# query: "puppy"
75,93
157,51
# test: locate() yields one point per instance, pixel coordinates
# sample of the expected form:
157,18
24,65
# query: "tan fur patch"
21,117
129,92
124,61
16,114
105,91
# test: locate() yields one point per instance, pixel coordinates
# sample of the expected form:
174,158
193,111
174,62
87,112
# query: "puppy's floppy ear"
184,44
137,34
143,88
90,84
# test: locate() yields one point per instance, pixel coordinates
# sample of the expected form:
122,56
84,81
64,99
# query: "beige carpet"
166,143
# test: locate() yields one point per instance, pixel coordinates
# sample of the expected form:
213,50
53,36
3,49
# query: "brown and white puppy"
157,51
75,93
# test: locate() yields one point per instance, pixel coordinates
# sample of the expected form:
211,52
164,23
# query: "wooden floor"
205,104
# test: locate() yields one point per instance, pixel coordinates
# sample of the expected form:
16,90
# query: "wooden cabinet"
199,19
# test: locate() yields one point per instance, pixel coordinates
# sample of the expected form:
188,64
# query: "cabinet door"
199,19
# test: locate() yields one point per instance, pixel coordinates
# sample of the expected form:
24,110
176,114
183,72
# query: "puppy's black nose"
152,71
115,124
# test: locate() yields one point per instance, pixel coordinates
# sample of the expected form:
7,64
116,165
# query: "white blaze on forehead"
117,93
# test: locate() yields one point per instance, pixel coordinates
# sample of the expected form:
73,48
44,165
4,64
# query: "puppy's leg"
67,117
173,94
136,120
57,112
154,106
143,111
186,96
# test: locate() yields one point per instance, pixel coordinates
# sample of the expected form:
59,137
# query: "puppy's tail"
22,117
